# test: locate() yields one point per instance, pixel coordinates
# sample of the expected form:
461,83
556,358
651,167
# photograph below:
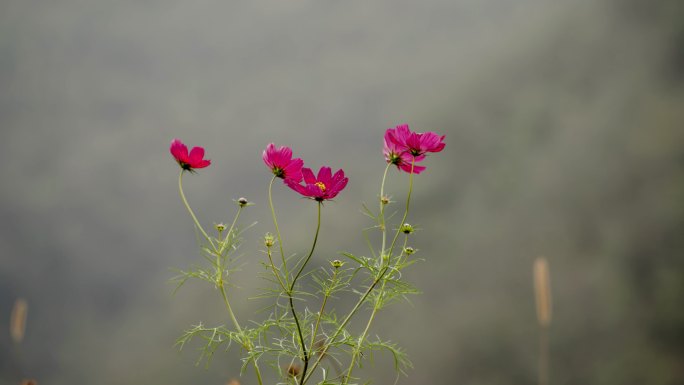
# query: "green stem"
275,223
192,214
320,313
382,210
258,372
276,272
318,227
294,281
408,201
230,309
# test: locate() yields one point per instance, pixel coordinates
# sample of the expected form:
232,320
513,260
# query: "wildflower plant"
304,339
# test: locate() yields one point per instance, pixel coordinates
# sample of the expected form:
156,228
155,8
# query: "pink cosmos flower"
322,187
188,161
399,157
280,161
416,143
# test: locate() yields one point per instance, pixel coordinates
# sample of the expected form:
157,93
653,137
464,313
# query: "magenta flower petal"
280,161
323,187
308,175
188,161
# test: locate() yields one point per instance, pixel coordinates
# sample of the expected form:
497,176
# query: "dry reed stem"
542,290
18,320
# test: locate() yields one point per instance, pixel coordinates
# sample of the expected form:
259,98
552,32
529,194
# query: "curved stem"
275,223
318,228
292,308
192,214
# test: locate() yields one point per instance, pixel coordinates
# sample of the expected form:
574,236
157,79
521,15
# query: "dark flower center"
279,172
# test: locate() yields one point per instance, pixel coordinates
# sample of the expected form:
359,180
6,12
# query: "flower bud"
406,228
337,263
220,227
242,202
408,250
384,200
268,240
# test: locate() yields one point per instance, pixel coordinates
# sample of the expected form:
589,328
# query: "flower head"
415,143
280,161
399,156
405,148
189,161
322,187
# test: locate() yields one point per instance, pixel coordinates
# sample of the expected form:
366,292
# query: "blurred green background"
565,138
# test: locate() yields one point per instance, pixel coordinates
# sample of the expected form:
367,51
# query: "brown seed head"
293,370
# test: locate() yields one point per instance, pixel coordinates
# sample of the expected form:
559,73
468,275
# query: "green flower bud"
384,200
337,263
408,250
220,227
269,241
406,228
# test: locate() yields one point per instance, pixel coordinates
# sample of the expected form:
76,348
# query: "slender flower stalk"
275,223
192,213
291,291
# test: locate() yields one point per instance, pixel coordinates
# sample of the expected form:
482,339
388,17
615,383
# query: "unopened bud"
220,227
242,202
384,200
408,250
337,263
268,240
406,228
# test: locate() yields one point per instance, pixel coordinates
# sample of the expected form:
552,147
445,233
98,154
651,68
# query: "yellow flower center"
321,186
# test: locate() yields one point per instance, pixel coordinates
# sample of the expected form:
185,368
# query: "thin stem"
383,227
276,272
275,223
230,309
408,201
192,214
258,372
326,295
318,227
544,355
294,281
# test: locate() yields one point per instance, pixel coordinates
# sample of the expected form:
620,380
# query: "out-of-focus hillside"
564,139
